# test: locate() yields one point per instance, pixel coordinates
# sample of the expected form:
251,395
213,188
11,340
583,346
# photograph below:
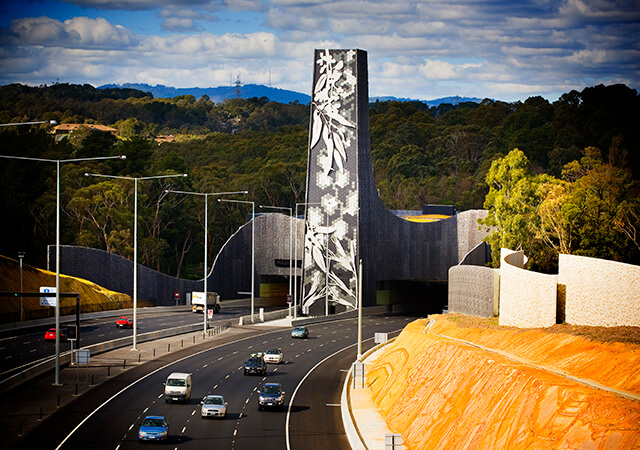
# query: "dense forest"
571,186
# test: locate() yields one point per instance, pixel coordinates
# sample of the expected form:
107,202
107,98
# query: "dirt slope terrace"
453,381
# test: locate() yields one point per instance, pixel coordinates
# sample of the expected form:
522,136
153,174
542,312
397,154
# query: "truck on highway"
197,302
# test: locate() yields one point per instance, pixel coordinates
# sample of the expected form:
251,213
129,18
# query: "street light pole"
57,307
21,255
40,122
253,247
206,238
135,240
290,239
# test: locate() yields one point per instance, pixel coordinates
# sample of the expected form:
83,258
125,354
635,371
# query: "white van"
178,387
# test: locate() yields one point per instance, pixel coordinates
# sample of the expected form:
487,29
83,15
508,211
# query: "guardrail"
48,365
264,317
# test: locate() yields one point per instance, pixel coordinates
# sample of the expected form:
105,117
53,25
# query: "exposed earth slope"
454,382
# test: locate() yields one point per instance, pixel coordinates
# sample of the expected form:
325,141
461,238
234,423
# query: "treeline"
420,155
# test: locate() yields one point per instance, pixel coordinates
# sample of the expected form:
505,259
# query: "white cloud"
416,48
79,32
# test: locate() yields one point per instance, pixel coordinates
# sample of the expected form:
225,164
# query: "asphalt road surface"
23,347
108,416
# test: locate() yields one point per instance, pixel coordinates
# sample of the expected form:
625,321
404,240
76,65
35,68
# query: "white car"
213,406
273,356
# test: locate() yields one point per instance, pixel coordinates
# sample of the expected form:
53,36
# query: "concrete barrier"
50,364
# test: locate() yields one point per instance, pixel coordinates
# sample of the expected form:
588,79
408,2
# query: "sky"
506,50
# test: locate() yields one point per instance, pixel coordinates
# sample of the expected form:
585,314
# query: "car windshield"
176,382
272,352
153,423
257,361
213,401
123,318
271,390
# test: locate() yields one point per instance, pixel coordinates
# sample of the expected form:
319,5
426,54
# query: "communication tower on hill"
238,84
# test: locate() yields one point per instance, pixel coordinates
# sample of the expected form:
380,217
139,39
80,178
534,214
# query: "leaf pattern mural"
330,256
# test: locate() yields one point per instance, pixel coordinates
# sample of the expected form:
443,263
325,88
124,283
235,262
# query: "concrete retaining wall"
527,299
471,290
600,292
116,274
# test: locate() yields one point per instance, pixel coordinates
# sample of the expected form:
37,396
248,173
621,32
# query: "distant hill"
432,103
220,93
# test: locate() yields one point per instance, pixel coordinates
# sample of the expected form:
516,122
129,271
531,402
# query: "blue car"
154,428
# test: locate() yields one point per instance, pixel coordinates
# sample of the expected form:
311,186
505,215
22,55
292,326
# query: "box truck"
197,302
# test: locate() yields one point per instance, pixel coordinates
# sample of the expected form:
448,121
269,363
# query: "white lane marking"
31,351
131,426
194,412
183,430
148,375
26,342
145,410
215,386
219,359
334,404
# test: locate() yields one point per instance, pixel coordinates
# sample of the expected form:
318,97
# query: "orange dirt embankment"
511,389
92,297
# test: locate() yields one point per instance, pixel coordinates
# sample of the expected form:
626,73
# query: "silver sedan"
213,406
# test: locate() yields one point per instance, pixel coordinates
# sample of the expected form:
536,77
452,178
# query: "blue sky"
422,49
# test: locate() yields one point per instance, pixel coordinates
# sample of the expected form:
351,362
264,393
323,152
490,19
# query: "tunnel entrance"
275,288
422,296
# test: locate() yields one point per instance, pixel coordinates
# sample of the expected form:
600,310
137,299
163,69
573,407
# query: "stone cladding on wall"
471,290
599,292
527,299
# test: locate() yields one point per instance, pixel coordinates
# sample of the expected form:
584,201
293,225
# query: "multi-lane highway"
20,348
108,417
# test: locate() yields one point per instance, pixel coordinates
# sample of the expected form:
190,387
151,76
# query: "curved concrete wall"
231,271
116,273
600,292
527,299
471,290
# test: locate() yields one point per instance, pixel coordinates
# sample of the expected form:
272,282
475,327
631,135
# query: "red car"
124,322
50,335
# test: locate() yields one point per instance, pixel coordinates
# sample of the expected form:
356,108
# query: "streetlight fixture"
253,246
290,239
206,235
21,255
40,122
135,239
58,162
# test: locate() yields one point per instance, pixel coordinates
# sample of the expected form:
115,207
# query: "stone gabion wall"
527,299
600,292
116,273
471,290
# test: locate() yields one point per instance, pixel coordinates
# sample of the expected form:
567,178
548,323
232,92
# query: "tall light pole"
135,240
253,246
58,162
295,288
290,239
206,236
21,255
40,122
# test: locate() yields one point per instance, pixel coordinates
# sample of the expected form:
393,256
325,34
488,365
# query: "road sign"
210,313
48,301
83,356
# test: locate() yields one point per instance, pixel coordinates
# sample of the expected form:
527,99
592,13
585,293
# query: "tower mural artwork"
331,236
346,221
